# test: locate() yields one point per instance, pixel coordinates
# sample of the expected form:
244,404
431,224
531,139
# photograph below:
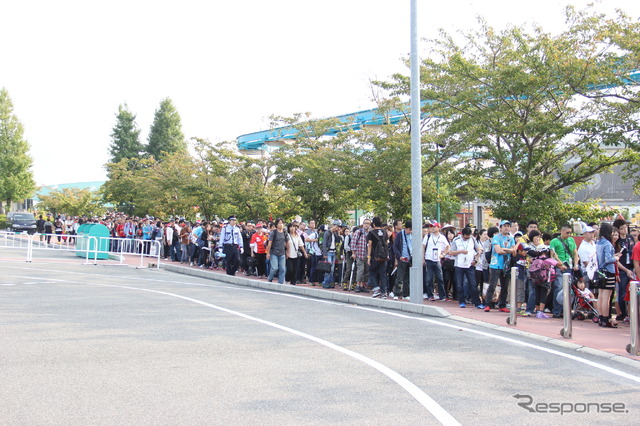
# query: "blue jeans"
466,287
531,299
434,270
557,287
328,277
378,275
278,263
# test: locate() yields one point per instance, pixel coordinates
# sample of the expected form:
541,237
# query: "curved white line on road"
430,321
425,400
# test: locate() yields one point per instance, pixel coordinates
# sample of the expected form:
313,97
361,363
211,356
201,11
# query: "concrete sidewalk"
587,336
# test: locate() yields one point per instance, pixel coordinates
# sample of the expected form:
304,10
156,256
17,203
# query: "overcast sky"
227,65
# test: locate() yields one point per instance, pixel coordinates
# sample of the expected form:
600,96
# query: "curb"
432,311
426,310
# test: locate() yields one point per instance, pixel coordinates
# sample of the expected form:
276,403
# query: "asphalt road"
117,345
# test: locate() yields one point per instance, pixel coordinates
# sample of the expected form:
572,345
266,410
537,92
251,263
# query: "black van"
19,222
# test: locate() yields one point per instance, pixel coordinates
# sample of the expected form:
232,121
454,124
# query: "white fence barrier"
90,246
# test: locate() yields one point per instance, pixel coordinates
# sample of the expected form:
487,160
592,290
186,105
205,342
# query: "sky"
227,66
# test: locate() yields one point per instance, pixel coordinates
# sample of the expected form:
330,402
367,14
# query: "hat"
588,229
520,246
232,218
337,222
504,222
518,233
543,248
448,225
435,223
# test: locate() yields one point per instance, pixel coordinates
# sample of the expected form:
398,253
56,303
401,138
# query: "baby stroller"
583,307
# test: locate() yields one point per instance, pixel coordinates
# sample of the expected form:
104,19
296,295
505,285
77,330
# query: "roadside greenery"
518,118
16,177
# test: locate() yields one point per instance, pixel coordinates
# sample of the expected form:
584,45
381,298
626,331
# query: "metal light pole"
415,272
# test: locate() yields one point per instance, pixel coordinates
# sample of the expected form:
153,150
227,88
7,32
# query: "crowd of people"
467,265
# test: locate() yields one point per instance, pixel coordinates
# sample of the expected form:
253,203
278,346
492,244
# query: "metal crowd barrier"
132,247
63,242
16,240
66,242
512,318
634,347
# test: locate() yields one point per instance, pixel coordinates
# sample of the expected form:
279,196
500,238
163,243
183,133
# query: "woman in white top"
295,253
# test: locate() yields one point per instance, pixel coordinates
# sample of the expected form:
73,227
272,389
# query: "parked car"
19,222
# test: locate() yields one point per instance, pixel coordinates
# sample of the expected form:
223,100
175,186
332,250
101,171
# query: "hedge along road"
105,345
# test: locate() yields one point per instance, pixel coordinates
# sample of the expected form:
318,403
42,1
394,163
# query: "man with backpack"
377,257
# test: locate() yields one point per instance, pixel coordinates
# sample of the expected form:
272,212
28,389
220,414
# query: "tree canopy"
16,177
532,113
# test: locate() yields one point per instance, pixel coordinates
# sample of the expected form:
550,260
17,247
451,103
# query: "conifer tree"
125,137
166,135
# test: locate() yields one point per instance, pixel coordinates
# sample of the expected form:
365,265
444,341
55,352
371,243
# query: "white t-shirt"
294,243
586,250
435,245
464,260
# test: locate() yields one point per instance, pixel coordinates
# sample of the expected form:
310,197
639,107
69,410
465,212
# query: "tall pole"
416,163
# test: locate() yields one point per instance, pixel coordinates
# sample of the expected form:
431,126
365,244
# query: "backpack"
381,250
542,273
154,233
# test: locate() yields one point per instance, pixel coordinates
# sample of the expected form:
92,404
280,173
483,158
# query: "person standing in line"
377,257
404,258
467,252
185,234
40,227
259,242
607,259
232,246
329,248
503,247
295,253
359,248
564,249
276,251
435,247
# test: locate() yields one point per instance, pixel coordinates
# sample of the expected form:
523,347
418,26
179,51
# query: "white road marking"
379,311
418,394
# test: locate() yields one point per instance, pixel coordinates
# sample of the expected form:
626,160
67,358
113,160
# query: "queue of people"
467,265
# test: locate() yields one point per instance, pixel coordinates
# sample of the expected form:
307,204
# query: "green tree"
128,185
509,98
315,169
125,137
16,178
72,201
166,135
